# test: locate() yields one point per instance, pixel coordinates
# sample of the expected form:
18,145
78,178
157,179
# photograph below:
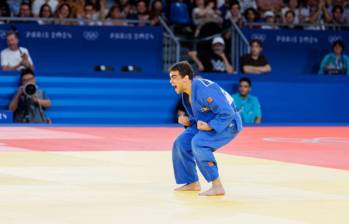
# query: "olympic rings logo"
90,35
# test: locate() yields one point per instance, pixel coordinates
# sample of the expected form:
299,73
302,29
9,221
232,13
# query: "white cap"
218,40
269,14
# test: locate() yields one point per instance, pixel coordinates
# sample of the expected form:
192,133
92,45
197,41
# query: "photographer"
29,102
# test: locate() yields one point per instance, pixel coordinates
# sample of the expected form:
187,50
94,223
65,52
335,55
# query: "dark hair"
59,8
337,7
26,71
257,41
42,10
234,3
183,68
245,79
338,42
11,32
290,11
254,11
110,12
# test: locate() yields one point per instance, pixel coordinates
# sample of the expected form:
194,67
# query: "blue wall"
294,52
139,100
78,49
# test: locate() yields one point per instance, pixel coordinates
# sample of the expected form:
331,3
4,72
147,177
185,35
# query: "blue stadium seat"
179,13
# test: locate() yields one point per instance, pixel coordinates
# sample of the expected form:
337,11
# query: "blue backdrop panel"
81,48
292,52
306,99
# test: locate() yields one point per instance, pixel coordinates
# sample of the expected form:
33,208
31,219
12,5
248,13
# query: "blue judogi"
211,104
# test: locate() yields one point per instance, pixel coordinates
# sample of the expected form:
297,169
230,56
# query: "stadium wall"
137,99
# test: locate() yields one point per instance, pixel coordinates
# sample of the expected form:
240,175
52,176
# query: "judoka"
212,121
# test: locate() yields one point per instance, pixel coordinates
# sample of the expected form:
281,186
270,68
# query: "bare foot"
213,191
189,187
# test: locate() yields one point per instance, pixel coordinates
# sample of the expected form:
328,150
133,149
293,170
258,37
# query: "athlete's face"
177,81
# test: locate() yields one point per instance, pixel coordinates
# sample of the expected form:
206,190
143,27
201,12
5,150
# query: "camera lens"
30,89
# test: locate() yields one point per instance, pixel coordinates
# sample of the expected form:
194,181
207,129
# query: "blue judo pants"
194,147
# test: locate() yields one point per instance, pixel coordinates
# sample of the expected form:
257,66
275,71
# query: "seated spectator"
247,105
29,108
156,10
234,15
293,6
38,4
142,13
337,18
5,9
214,60
314,15
129,11
45,13
289,21
115,16
335,63
251,16
64,11
270,21
255,62
91,17
25,10
15,57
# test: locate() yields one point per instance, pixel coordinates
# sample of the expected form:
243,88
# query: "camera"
30,89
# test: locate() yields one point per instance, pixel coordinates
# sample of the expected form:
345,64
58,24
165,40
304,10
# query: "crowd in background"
275,14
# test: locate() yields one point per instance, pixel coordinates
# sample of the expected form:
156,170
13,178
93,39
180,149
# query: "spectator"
15,57
255,62
45,13
337,18
38,4
335,63
289,21
215,60
64,11
29,109
25,10
251,16
345,5
114,16
234,15
142,13
313,15
4,11
270,21
247,105
155,12
91,17
293,5
129,11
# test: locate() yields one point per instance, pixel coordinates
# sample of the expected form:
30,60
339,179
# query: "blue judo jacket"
211,104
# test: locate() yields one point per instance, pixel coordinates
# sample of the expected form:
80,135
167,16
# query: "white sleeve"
4,60
25,50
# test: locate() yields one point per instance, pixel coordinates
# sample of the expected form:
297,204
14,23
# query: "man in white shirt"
15,57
